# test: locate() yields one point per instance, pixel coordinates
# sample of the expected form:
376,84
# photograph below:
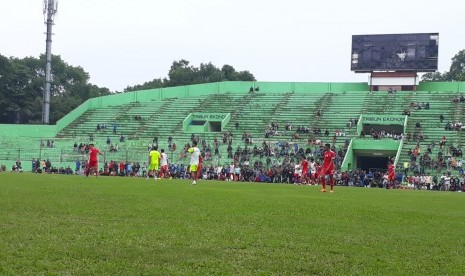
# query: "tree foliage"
183,73
456,71
22,87
22,84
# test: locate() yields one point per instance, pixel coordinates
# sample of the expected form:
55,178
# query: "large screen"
395,52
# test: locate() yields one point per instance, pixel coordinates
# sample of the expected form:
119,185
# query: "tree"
19,91
457,68
433,76
208,73
182,73
155,83
22,88
456,71
22,85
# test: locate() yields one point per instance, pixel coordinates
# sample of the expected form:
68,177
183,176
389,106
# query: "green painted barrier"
32,131
348,162
399,151
225,121
372,144
187,122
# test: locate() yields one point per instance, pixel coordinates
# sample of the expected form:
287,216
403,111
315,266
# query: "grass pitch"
53,224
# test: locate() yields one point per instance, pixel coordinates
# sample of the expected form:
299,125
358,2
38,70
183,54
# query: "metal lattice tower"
50,10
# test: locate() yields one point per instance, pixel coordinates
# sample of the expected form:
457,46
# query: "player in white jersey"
297,174
164,171
312,169
231,172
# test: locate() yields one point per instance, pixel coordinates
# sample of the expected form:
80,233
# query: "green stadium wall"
442,86
31,131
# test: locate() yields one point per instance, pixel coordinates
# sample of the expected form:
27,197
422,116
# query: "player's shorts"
391,177
193,168
153,167
326,171
305,172
92,164
164,168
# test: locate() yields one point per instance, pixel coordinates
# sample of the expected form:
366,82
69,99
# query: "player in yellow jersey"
154,161
194,163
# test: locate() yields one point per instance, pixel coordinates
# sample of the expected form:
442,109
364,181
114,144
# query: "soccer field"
75,225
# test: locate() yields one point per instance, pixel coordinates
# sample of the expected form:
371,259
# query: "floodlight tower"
50,10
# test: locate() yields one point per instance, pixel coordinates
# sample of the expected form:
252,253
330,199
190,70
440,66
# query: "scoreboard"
395,52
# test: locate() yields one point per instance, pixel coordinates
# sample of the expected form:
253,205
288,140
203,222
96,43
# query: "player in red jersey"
199,168
93,160
304,166
327,168
391,174
314,169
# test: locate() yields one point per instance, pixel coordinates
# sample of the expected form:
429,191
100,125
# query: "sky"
121,43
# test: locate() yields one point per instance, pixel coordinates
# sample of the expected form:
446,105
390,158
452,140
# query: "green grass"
76,225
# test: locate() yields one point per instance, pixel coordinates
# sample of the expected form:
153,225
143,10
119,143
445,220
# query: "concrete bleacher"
339,109
432,128
253,111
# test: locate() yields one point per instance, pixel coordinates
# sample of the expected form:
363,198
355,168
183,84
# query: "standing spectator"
78,166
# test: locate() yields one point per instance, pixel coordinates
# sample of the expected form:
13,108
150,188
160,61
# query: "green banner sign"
213,117
384,119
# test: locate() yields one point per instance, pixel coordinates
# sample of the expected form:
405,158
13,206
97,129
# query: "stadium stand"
142,117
